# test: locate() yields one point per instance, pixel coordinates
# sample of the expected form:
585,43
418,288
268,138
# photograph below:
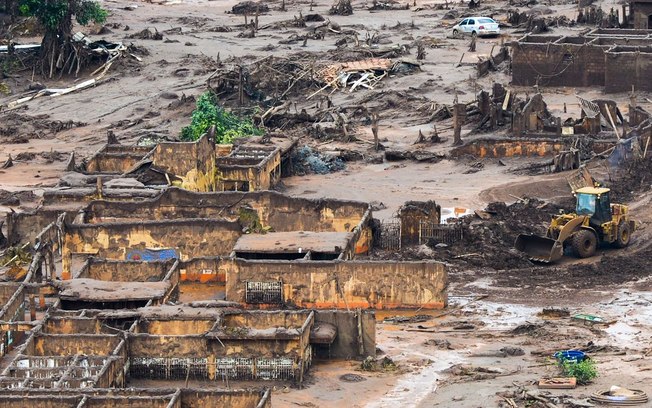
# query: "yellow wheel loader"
595,221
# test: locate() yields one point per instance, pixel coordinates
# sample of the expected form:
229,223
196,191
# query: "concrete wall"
349,284
616,60
233,399
190,238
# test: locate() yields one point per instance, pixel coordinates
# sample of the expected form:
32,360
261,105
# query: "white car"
476,26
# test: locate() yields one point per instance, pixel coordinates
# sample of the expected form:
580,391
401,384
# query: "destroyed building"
617,59
196,166
303,252
276,282
640,14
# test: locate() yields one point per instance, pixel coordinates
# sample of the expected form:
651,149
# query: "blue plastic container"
573,356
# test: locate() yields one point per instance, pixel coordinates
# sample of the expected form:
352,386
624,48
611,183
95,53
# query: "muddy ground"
451,359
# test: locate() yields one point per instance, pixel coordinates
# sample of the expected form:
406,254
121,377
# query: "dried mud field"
506,316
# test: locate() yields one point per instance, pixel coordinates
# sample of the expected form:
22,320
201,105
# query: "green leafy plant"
228,126
54,14
583,371
58,52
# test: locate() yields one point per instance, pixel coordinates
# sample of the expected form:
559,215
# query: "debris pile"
364,73
37,126
488,237
388,5
250,8
265,81
305,160
147,34
342,8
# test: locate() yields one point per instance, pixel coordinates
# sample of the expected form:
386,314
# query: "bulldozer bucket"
538,248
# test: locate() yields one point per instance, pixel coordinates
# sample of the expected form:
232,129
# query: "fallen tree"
59,52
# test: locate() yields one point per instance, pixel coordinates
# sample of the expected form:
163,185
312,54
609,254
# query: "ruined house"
617,59
640,14
293,251
195,166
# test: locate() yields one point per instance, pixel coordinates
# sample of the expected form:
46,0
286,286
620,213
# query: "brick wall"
627,67
557,64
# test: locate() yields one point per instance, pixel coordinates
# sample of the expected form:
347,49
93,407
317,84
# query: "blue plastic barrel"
573,356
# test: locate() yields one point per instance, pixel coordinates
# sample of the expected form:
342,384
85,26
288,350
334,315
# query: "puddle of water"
631,311
505,316
413,388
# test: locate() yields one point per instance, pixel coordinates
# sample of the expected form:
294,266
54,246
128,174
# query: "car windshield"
485,20
585,204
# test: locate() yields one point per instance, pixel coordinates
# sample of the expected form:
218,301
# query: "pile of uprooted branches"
265,82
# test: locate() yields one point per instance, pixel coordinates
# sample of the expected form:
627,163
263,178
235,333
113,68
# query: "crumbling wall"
124,271
257,174
175,327
135,398
281,212
508,148
412,214
192,162
349,284
146,345
72,344
25,226
112,163
12,297
640,12
627,67
555,61
68,325
190,238
356,332
202,270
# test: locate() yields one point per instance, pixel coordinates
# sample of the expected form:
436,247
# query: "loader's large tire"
584,243
624,235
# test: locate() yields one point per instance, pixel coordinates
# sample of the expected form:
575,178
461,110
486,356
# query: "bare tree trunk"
459,114
374,130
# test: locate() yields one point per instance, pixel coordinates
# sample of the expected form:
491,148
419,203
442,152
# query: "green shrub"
227,125
584,371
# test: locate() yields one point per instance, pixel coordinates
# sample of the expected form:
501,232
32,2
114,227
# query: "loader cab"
594,202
